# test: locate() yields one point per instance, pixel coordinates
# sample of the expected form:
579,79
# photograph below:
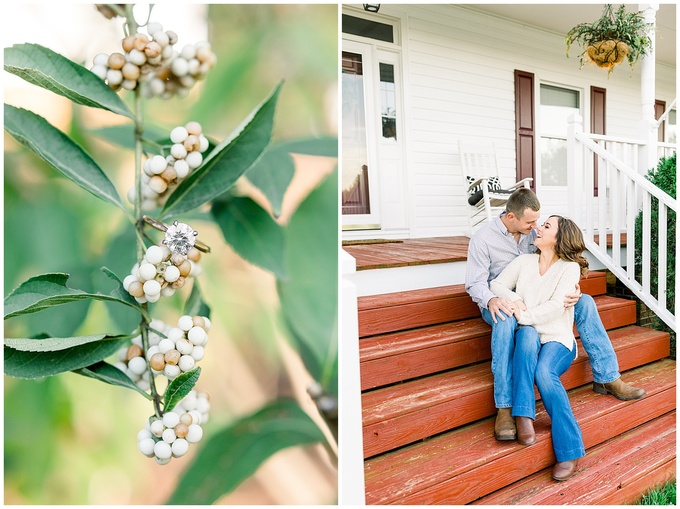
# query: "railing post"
575,169
351,446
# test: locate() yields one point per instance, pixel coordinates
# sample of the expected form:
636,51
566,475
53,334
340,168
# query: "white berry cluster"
197,404
152,60
132,362
172,350
160,273
170,436
162,174
181,349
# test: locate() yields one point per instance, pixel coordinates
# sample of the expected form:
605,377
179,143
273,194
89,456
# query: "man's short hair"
521,200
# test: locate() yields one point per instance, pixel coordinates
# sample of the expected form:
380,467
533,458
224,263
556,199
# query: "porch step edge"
466,463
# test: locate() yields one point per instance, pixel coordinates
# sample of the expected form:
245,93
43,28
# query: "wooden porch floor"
401,253
406,252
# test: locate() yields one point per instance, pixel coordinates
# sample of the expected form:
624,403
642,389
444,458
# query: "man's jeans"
595,340
502,349
544,364
593,337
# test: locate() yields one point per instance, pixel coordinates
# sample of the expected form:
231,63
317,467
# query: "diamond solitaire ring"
179,237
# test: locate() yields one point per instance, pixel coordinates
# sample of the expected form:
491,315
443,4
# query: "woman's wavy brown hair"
569,244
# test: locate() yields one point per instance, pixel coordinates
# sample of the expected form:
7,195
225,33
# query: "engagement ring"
179,237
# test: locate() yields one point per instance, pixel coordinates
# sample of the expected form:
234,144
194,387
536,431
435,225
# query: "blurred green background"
72,440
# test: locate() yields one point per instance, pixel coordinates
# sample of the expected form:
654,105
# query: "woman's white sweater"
543,296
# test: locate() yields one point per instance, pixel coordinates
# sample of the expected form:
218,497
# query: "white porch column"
351,445
648,126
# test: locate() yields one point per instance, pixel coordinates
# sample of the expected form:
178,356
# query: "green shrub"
663,495
663,176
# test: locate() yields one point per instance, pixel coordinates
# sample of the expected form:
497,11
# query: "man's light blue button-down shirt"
491,249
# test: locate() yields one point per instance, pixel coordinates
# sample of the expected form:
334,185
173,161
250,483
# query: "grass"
663,495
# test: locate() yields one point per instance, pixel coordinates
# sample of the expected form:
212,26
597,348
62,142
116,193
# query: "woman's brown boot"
525,430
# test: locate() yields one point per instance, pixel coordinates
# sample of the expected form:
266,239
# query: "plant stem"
154,393
139,223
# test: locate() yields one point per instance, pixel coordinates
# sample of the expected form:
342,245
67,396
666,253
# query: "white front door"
360,177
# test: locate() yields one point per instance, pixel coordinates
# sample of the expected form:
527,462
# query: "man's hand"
571,299
496,305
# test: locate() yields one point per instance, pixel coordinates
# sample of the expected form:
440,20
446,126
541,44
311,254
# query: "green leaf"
48,344
47,290
20,364
252,233
124,136
326,146
119,257
195,305
119,294
227,162
309,298
272,175
234,453
180,387
61,152
105,372
43,67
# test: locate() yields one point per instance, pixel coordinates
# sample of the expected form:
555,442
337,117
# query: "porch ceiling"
560,18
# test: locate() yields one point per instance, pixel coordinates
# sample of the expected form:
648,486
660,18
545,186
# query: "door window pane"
355,195
388,101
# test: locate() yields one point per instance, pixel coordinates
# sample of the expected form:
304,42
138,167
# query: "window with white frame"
556,105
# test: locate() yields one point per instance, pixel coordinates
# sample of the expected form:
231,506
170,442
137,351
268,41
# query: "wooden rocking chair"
485,195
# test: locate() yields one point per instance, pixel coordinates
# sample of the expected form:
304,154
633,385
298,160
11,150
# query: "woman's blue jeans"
593,337
544,364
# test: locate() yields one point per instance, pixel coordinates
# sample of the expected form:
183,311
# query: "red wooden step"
395,357
399,356
407,310
391,312
615,312
397,415
467,463
615,472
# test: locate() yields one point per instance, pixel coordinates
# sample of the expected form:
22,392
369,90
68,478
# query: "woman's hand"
517,307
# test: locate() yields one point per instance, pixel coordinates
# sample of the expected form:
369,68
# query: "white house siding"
458,83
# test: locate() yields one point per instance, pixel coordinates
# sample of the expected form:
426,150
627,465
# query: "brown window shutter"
525,127
659,109
598,121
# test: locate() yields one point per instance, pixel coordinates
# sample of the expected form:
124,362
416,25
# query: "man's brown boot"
564,470
505,428
619,389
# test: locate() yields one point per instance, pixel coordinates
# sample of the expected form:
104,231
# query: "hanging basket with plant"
611,39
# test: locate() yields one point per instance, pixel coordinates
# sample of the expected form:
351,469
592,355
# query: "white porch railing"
622,192
352,491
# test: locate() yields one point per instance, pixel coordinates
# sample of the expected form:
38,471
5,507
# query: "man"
491,248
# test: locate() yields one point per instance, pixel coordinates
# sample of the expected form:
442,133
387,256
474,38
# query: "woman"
536,285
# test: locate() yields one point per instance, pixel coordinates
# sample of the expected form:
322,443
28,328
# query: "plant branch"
139,224
145,346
